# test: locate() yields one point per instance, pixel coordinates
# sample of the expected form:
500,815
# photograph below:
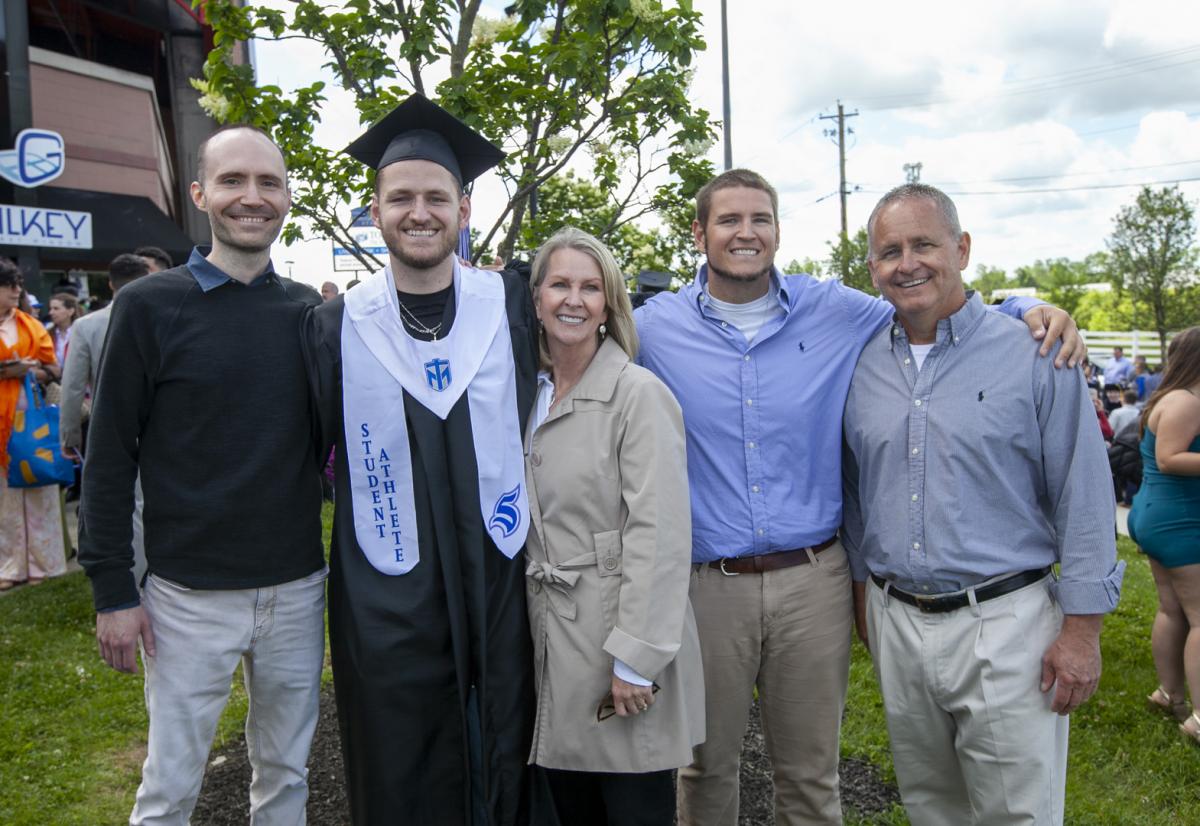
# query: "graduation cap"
419,129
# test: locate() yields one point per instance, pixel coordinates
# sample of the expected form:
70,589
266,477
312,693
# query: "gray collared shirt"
986,462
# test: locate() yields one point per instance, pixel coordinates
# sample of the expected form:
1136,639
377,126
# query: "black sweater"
206,395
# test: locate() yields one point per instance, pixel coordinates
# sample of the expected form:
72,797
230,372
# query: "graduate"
423,375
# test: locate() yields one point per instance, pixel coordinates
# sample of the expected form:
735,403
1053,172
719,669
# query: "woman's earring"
603,331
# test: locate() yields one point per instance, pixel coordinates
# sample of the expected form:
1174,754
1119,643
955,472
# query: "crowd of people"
58,347
573,541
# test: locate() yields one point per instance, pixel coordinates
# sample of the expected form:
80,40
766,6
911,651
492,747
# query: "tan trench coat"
609,563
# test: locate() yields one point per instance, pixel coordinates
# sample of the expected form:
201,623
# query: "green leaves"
595,86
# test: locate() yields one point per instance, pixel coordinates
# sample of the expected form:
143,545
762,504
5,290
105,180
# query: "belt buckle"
724,572
925,603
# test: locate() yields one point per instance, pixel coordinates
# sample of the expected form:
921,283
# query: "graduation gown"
432,669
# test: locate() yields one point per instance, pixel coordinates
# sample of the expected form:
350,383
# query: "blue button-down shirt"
209,276
763,420
986,462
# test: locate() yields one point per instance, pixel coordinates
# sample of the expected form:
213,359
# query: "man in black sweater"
203,390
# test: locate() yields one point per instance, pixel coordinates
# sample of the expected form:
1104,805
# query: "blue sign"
40,227
39,157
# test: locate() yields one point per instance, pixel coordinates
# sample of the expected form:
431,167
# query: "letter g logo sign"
39,157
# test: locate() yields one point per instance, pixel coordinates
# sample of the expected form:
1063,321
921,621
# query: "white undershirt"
748,318
920,351
541,410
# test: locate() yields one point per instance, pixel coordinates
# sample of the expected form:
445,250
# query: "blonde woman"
620,698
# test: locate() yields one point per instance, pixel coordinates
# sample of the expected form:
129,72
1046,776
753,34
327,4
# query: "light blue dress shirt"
986,462
763,420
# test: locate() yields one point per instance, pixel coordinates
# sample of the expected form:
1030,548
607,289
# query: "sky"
1040,119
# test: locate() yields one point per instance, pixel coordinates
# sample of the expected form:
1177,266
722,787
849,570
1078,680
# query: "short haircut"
1119,347
1130,396
125,268
158,254
330,284
922,192
732,179
621,327
10,274
202,151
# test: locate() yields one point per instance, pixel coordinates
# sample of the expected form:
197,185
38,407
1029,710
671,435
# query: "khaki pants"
973,737
788,632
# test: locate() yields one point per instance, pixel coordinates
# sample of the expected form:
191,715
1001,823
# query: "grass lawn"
72,735
1127,766
73,731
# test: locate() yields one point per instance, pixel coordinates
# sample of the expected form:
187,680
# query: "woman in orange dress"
31,528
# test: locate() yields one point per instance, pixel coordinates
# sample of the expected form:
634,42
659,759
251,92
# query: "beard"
426,259
739,278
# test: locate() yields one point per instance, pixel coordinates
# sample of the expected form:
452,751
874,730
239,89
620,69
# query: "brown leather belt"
768,562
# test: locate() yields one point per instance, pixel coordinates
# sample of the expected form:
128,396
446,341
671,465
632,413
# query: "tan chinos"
788,633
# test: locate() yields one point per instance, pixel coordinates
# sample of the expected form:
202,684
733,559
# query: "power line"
1054,87
1066,174
1082,71
1057,189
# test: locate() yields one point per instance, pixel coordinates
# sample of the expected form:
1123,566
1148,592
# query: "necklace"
414,324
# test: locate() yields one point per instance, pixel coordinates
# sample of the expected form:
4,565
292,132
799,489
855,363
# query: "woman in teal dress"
1165,523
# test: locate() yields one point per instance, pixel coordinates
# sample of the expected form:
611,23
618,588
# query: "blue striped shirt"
986,462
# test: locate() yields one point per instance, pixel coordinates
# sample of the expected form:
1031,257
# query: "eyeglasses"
607,709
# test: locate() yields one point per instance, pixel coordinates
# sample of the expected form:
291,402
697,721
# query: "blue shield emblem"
38,157
437,374
506,515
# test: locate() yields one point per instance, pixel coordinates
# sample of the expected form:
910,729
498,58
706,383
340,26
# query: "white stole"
379,358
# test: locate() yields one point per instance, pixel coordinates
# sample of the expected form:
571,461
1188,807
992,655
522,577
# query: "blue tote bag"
34,456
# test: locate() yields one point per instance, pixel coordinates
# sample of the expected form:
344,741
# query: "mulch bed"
224,797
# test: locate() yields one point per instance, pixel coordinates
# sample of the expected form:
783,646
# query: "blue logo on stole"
506,516
437,374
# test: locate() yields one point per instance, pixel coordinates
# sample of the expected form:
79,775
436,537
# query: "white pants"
278,634
973,737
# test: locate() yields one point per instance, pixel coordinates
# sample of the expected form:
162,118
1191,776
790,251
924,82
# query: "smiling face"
419,209
917,262
244,191
570,301
740,237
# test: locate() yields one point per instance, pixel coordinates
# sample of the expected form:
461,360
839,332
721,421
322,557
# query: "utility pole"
912,173
840,117
725,86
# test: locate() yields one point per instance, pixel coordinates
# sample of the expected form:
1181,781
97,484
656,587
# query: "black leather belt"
941,603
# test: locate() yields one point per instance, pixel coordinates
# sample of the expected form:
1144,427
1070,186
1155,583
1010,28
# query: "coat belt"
558,580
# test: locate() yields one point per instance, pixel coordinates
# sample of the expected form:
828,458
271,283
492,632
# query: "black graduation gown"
433,669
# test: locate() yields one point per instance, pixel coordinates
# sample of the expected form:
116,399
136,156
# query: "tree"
598,85
1153,255
848,257
987,281
568,200
1061,281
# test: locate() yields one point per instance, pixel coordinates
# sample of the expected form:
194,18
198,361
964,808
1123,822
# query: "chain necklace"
414,324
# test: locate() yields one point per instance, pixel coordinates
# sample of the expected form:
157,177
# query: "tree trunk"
505,250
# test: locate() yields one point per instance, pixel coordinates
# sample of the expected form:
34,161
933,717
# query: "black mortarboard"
419,129
653,282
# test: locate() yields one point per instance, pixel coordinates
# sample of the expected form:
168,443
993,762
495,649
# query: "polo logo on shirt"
437,374
981,395
801,346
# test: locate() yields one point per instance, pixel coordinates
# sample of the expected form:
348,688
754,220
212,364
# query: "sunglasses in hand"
607,707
